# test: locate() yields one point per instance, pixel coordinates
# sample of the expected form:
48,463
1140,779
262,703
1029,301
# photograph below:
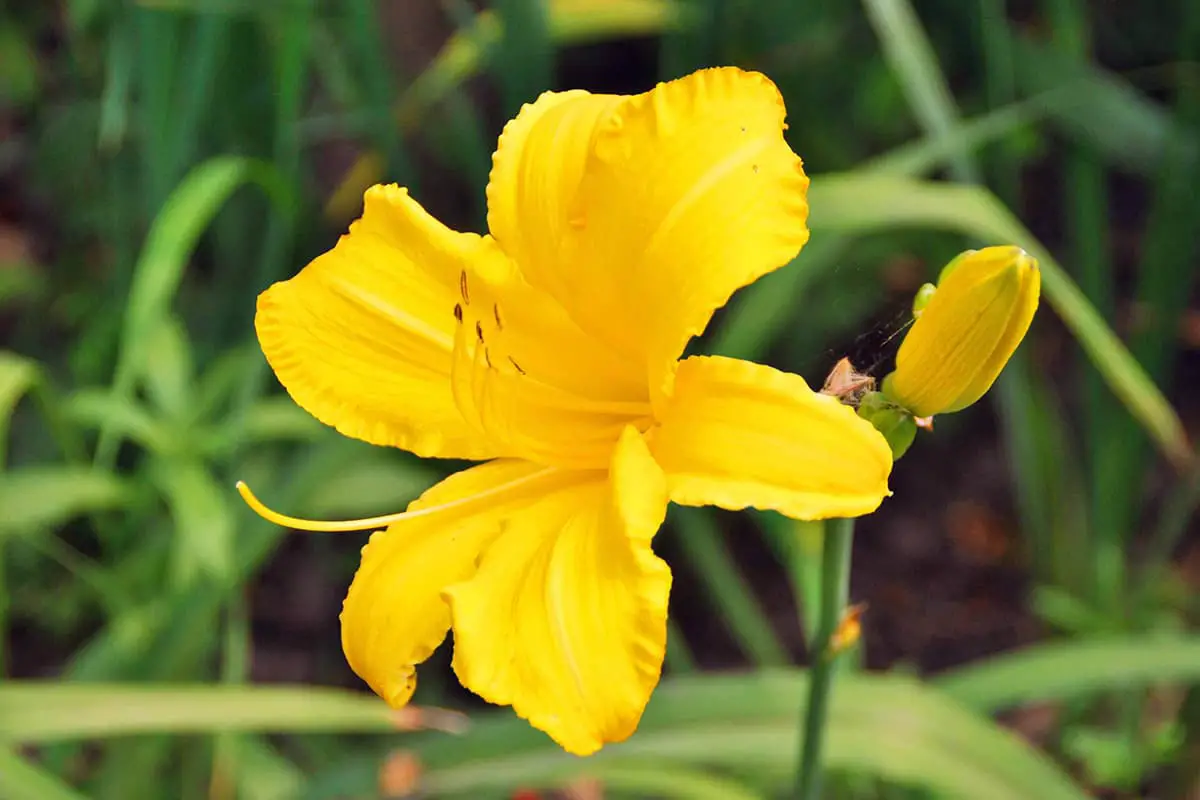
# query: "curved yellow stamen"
258,507
335,526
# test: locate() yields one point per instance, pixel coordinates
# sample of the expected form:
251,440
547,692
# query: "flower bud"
966,332
924,295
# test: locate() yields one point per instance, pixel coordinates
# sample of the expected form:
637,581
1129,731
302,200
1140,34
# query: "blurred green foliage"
164,161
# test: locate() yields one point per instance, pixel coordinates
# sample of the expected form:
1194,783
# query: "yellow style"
550,350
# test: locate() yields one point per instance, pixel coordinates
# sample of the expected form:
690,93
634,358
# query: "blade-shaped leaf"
889,726
36,498
1078,668
21,779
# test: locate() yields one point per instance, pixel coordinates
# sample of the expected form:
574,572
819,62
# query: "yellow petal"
394,614
970,327
528,377
536,170
362,337
738,434
566,618
643,215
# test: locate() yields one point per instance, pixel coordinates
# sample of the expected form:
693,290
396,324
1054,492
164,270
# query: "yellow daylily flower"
966,331
550,349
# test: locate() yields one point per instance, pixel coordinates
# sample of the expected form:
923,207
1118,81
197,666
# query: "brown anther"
479,331
513,361
496,314
458,314
462,287
487,357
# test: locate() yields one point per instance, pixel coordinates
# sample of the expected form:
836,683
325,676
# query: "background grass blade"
20,779
1094,106
915,64
42,498
734,599
18,375
160,268
733,722
34,713
1067,670
745,723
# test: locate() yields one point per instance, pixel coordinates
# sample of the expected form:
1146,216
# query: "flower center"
531,352
527,378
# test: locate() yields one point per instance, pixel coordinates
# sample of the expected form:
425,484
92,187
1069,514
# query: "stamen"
496,314
458,312
462,287
339,526
479,331
331,526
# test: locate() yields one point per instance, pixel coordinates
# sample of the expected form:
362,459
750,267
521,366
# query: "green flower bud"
924,295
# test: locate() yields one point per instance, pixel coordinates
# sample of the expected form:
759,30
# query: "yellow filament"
334,526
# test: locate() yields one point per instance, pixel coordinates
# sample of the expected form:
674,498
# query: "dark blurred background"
1031,585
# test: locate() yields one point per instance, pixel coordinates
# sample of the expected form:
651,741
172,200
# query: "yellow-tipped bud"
966,332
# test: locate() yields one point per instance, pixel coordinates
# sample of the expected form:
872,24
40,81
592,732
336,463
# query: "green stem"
3,617
835,589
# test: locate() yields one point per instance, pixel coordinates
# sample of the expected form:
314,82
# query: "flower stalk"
835,592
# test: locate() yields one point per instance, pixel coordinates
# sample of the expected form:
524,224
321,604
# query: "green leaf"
702,545
204,522
272,419
172,238
649,779
748,723
861,203
1110,759
969,135
167,373
21,779
259,771
17,376
524,52
1096,107
377,482
912,59
888,726
36,712
19,65
99,408
160,268
580,21
37,498
1066,670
